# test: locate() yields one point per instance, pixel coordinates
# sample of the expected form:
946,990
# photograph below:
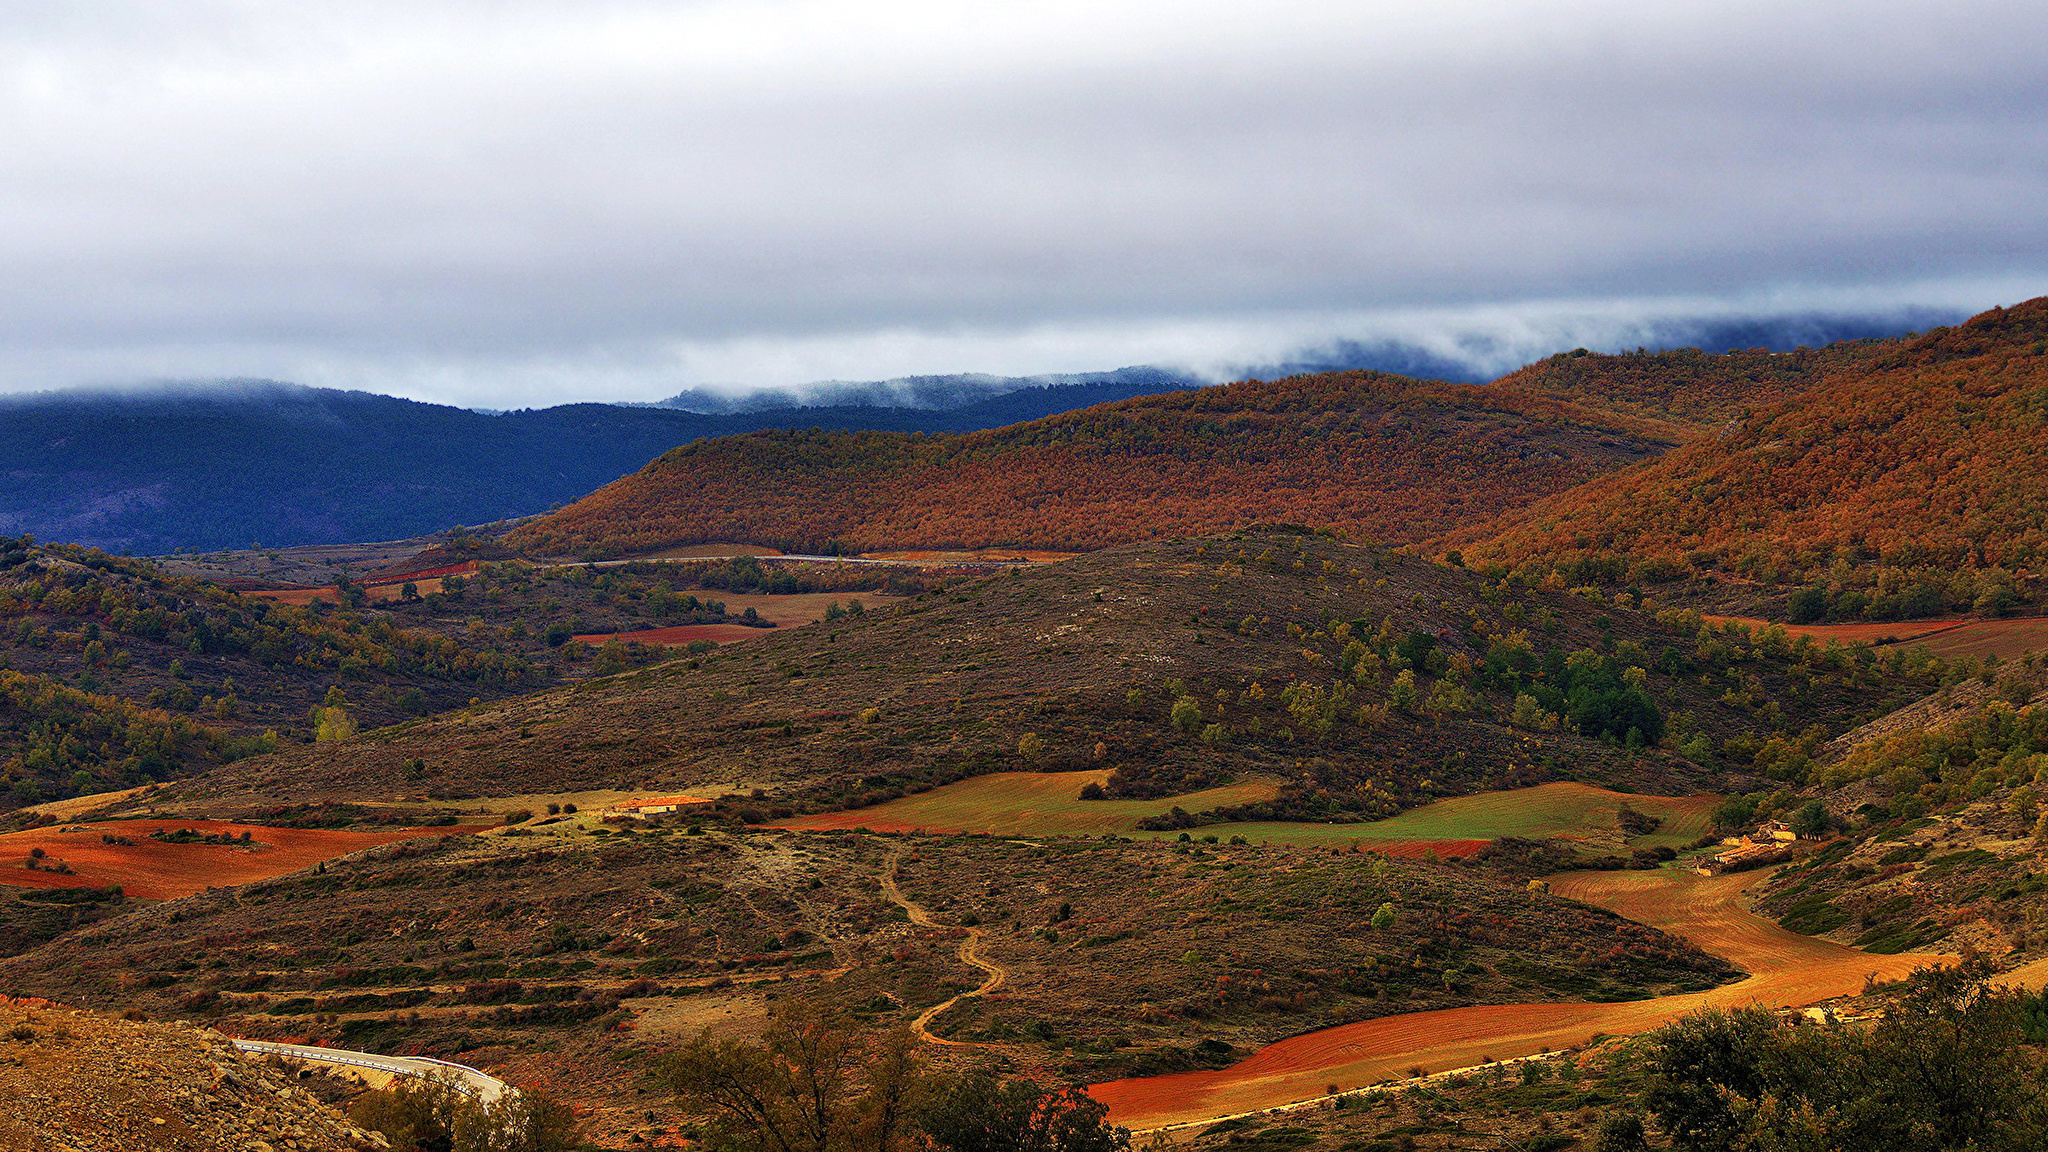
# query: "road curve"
1786,969
479,1086
970,953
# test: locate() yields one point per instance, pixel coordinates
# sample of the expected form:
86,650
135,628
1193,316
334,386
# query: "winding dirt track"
1786,969
970,953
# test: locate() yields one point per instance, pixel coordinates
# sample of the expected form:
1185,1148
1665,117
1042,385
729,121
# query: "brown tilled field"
155,870
1950,638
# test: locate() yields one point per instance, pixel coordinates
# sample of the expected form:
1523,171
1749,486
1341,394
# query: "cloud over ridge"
510,204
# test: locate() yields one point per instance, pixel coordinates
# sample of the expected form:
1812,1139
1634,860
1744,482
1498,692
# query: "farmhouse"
660,806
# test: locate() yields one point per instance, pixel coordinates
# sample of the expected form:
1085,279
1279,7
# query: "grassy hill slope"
1907,483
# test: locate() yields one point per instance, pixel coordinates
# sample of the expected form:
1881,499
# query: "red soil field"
681,634
1949,638
153,870
297,597
463,569
1417,849
939,556
1785,969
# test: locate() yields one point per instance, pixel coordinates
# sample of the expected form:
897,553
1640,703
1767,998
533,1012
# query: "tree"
1811,819
1945,1067
800,1089
1384,918
979,1113
1404,694
1187,715
432,1114
331,721
1807,605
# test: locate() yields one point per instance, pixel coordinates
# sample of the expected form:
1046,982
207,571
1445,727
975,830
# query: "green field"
1049,804
1026,804
1565,811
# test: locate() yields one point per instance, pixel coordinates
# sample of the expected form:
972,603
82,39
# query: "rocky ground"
75,1081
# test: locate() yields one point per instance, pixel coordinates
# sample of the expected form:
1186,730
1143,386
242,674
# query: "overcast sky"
503,204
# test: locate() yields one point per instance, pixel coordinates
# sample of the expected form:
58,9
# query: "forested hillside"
114,673
1376,455
1690,389
1908,482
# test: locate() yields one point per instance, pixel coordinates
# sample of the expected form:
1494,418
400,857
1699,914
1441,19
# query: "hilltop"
1907,482
1690,390
1366,678
1376,455
1373,454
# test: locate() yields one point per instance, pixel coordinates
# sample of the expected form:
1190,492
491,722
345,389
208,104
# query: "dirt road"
970,953
1785,969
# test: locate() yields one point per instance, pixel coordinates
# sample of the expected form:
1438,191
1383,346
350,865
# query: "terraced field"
1024,804
1786,969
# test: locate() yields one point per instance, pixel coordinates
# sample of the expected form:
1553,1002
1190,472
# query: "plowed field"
682,634
1785,969
1024,804
154,870
1949,638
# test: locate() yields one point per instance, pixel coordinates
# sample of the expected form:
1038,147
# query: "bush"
1946,1067
518,816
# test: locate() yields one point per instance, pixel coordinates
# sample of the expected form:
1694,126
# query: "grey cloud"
503,204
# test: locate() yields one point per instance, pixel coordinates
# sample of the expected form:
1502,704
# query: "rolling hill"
1907,482
1363,679
1376,455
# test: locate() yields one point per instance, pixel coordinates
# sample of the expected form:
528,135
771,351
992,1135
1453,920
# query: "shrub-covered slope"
567,961
1367,678
114,672
1906,483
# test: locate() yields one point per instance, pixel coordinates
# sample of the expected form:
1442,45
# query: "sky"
504,204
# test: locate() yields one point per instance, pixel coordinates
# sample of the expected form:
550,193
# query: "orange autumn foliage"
1372,454
1921,467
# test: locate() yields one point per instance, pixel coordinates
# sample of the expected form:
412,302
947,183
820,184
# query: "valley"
1321,744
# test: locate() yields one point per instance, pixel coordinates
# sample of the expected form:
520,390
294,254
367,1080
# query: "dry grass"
1026,804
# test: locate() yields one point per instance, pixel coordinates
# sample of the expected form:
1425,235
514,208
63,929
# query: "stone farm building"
659,806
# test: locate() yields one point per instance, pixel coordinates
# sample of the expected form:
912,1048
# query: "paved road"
478,1085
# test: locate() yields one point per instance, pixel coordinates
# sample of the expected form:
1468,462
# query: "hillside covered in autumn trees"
1905,483
1375,455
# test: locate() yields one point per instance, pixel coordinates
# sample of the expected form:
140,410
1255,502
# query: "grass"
1026,804
1049,804
1563,810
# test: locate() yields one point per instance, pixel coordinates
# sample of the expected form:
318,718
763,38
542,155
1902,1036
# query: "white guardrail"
471,1082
